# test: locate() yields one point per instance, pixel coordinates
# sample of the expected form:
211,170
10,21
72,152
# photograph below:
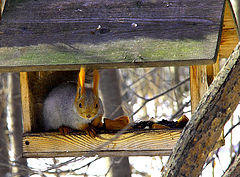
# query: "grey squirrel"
69,106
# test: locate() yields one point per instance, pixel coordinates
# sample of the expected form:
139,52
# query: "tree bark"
203,130
5,168
111,97
111,94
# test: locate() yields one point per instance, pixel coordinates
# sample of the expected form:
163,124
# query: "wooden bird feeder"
47,40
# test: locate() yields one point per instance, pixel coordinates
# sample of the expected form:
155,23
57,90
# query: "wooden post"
198,84
200,78
27,108
212,71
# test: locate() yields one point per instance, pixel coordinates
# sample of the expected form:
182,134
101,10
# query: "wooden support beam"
200,78
27,105
130,143
198,84
212,71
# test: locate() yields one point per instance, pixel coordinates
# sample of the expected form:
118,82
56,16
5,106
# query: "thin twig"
180,110
230,130
159,95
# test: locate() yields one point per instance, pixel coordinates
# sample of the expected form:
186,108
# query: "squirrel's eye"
96,106
80,105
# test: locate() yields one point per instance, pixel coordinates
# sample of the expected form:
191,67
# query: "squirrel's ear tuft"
81,79
95,81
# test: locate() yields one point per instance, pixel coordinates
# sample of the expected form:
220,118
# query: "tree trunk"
203,130
4,141
16,127
111,97
111,94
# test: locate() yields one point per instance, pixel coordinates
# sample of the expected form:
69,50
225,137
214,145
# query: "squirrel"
69,106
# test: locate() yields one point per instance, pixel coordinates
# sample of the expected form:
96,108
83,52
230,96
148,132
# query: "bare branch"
159,95
180,110
230,130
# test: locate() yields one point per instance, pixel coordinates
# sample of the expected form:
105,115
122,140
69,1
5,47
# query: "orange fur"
81,79
95,81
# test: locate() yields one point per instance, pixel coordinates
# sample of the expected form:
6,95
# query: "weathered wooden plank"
60,35
137,142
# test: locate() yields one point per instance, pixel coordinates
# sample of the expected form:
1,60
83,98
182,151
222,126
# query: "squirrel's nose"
88,115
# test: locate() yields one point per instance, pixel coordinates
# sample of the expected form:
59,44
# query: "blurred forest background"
142,94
